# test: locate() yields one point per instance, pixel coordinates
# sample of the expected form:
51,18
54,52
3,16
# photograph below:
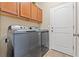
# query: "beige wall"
5,22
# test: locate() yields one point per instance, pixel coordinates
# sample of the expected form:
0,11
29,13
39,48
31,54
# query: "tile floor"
54,53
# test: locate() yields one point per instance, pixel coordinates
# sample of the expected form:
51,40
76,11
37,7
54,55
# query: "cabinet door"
9,7
39,15
25,8
33,11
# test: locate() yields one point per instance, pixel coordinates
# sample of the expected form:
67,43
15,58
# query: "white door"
61,28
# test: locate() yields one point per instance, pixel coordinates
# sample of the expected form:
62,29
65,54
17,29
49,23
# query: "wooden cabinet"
33,12
22,9
10,7
25,9
39,15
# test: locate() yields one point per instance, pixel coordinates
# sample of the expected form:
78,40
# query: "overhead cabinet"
23,10
34,12
39,15
10,7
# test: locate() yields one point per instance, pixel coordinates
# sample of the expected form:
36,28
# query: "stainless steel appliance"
44,34
23,42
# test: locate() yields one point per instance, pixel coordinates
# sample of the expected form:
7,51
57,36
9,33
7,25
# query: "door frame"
74,28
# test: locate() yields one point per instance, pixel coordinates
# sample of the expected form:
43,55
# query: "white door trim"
75,29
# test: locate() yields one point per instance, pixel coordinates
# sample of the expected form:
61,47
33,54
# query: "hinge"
73,47
73,6
73,27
